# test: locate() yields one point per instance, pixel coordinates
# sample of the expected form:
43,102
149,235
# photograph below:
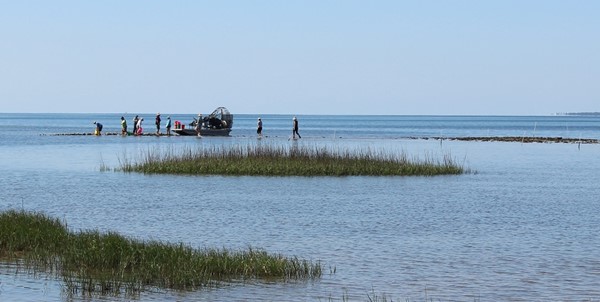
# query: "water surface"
522,228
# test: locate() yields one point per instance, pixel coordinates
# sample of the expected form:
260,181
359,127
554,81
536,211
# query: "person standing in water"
168,126
139,129
199,124
135,124
123,126
259,127
157,123
295,128
98,130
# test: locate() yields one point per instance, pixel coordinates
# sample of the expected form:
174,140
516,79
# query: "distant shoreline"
519,139
579,113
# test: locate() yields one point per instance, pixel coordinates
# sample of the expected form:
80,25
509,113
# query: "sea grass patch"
273,160
109,263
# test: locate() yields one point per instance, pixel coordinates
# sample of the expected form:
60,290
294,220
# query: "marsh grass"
34,237
272,160
108,263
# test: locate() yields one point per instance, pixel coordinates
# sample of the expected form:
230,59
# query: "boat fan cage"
224,115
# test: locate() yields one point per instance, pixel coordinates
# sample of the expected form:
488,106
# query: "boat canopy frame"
222,114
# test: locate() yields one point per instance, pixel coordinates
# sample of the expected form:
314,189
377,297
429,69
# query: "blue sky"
300,57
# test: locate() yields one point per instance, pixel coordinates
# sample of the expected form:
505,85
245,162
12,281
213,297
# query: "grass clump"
269,160
94,262
32,233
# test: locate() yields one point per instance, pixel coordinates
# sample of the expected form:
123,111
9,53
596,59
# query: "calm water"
523,228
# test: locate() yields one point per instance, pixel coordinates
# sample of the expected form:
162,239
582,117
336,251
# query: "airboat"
218,123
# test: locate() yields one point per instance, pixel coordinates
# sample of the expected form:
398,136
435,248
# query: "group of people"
137,126
138,129
259,128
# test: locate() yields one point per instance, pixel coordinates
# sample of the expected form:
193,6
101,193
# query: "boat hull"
203,132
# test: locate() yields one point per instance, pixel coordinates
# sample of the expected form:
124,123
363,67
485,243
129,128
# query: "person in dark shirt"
98,128
157,123
295,129
259,127
135,124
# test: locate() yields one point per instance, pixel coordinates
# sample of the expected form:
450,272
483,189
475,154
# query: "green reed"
95,262
30,234
271,160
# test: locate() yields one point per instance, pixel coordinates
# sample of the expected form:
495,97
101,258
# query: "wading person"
157,123
168,126
98,130
199,125
135,124
123,126
139,129
295,128
259,127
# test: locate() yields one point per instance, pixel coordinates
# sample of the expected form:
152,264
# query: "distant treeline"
580,113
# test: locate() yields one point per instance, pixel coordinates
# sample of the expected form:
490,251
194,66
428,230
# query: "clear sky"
301,57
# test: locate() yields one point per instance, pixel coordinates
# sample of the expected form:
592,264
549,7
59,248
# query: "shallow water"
522,228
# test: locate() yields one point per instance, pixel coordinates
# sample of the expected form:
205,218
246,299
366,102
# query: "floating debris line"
514,139
103,134
522,139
